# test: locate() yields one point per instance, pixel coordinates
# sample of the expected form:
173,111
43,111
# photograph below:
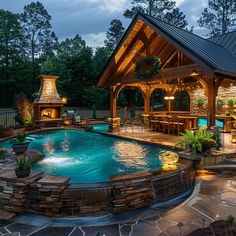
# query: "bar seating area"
172,123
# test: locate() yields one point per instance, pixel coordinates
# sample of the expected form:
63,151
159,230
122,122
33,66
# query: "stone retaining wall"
54,196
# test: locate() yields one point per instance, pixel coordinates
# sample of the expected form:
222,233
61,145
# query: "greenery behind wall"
29,47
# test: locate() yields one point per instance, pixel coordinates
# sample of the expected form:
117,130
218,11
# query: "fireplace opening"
50,113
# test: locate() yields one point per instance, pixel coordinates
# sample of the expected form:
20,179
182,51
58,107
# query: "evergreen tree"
155,8
10,41
102,54
36,25
220,17
176,18
161,9
114,33
14,68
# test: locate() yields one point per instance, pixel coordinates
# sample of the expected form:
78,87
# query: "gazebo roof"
228,41
215,54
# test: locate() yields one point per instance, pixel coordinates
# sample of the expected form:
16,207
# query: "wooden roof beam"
169,59
140,35
152,38
164,74
153,52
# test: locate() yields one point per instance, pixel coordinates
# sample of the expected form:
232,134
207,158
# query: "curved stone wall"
54,196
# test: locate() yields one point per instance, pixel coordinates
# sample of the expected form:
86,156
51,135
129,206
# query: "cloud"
95,40
91,18
110,5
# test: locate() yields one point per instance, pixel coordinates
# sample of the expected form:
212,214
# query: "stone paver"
54,231
145,228
23,229
77,232
110,230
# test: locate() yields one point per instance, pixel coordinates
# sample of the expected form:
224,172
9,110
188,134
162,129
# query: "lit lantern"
169,159
64,100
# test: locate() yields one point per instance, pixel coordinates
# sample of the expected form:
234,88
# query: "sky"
91,18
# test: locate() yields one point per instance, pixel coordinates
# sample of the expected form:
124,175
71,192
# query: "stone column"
114,122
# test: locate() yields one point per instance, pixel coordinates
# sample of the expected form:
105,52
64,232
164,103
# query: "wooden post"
211,94
146,93
113,100
147,103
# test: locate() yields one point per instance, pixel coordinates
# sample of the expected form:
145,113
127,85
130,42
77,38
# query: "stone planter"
196,163
22,173
206,146
20,148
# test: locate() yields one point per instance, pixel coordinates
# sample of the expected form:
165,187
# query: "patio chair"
77,119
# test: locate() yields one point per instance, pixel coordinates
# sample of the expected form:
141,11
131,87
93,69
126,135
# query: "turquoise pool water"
203,122
101,127
89,157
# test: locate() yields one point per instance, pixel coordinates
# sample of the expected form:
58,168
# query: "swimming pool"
101,127
89,157
203,122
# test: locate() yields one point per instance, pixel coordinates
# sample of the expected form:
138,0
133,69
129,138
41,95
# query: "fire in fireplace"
48,104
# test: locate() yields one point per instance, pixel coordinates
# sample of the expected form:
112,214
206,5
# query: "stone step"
6,215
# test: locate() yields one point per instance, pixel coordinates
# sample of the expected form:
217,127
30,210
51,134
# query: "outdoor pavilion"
187,60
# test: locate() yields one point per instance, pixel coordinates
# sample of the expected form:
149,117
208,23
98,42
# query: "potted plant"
200,102
20,143
219,103
230,102
198,142
217,138
23,166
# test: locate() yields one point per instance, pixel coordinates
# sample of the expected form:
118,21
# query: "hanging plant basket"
148,67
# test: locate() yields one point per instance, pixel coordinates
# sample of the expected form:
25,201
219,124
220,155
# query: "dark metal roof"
228,41
214,55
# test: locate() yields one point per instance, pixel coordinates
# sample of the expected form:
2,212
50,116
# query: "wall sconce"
169,97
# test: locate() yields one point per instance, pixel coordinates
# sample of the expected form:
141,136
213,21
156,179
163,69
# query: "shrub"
24,110
230,219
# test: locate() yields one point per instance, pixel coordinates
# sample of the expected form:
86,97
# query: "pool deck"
168,140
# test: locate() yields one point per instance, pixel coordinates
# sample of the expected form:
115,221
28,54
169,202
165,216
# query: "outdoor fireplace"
48,104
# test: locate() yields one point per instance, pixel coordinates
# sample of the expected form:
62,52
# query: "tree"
220,17
35,22
114,33
102,54
161,9
176,18
14,68
155,8
10,40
